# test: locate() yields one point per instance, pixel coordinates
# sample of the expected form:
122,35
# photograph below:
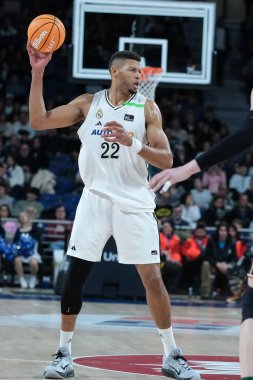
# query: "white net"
149,81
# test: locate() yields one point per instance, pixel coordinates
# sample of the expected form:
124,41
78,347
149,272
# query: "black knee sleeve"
247,304
72,293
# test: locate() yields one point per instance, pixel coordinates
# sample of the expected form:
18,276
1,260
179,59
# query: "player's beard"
131,91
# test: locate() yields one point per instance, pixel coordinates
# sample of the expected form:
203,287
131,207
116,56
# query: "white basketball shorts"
97,218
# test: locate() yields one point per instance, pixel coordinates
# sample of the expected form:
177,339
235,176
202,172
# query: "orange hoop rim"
147,71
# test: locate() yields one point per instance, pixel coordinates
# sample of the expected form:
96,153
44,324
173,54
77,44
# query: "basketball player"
121,130
231,145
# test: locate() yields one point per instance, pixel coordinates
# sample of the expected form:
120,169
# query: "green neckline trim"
134,104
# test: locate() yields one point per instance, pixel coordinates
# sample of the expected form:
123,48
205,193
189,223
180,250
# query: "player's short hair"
120,56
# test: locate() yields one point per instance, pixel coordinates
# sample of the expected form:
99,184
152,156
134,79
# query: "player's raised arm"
59,117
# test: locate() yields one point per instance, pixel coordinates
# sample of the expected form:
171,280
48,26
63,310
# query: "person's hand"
223,267
38,60
168,177
118,134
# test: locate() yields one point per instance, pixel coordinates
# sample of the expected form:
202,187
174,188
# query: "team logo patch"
209,367
129,117
99,113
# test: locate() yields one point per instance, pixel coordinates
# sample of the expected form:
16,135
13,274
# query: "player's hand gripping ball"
46,33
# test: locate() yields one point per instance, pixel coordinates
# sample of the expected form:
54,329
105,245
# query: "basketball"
46,33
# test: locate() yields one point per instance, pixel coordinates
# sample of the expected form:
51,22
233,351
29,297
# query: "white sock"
65,339
168,340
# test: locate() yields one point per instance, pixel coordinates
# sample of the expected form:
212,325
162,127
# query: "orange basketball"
46,33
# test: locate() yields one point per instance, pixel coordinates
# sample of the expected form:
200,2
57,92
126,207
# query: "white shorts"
97,218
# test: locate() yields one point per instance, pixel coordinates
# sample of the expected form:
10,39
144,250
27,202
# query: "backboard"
176,36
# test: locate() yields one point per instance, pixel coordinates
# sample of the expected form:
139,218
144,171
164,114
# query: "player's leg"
91,230
137,240
246,346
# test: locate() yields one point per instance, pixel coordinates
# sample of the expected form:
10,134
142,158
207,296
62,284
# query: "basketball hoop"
150,77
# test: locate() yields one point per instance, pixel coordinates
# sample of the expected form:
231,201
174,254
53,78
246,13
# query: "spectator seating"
64,184
49,200
70,201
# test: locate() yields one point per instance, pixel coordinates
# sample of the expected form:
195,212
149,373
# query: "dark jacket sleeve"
2,232
209,252
230,145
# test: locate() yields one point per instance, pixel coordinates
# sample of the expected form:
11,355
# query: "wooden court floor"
118,336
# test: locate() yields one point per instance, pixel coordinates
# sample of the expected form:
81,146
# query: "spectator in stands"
210,119
26,241
213,178
9,107
4,197
3,175
216,212
242,211
31,201
193,252
190,122
240,245
201,196
24,159
227,195
39,158
22,124
44,180
236,274
203,135
171,260
178,132
180,156
59,230
12,146
240,181
247,160
9,226
190,211
220,257
15,176
176,219
191,146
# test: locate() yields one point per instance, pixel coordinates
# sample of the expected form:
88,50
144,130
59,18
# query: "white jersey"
111,169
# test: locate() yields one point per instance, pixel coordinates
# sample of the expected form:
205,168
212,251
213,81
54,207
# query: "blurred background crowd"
205,223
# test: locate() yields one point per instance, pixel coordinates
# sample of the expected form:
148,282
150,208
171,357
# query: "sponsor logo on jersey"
154,252
99,113
129,117
99,123
38,40
97,132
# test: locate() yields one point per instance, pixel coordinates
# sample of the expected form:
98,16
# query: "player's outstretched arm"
40,118
231,145
168,177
